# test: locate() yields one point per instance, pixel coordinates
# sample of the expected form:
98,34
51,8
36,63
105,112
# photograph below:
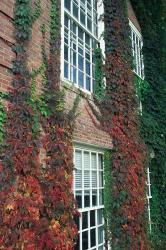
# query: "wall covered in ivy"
152,18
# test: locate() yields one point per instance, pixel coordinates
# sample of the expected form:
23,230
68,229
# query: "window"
149,196
88,190
80,39
137,44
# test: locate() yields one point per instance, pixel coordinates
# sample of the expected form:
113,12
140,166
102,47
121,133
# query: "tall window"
80,39
88,189
137,44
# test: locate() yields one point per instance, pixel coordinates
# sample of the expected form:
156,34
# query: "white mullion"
82,153
69,57
81,232
89,241
90,180
91,64
84,60
98,190
77,68
74,174
62,40
96,220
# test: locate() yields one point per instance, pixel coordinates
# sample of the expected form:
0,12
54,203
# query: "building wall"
86,130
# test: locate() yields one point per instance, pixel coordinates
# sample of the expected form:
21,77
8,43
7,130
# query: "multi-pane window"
149,196
137,44
80,39
88,190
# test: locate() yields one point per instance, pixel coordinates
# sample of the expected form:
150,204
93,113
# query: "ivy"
99,76
2,120
152,19
125,174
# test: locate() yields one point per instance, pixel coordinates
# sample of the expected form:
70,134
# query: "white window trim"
91,150
100,39
138,34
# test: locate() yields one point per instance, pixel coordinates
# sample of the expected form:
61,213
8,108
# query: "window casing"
137,44
88,191
80,39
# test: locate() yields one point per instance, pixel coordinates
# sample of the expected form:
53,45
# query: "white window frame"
149,196
139,65
96,208
92,36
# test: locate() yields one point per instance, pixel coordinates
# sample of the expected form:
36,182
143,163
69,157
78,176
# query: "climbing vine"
37,206
99,75
152,19
119,117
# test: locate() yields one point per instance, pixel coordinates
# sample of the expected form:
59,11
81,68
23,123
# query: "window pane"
66,70
92,218
79,198
78,178
80,62
94,161
100,235
87,198
85,240
93,237
66,53
86,179
75,10
94,179
80,79
82,17
84,220
88,87
94,197
68,4
100,216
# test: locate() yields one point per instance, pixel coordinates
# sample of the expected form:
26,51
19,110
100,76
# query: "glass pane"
66,70
66,21
100,235
85,240
89,24
86,179
88,68
78,159
82,17
93,237
80,79
66,53
84,220
68,4
74,75
75,10
94,179
79,198
88,87
86,160
100,178
80,33
94,197
99,216
101,202
78,178
87,198
94,161
100,161
92,218
80,62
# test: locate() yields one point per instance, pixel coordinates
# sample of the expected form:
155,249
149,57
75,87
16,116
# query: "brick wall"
86,131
